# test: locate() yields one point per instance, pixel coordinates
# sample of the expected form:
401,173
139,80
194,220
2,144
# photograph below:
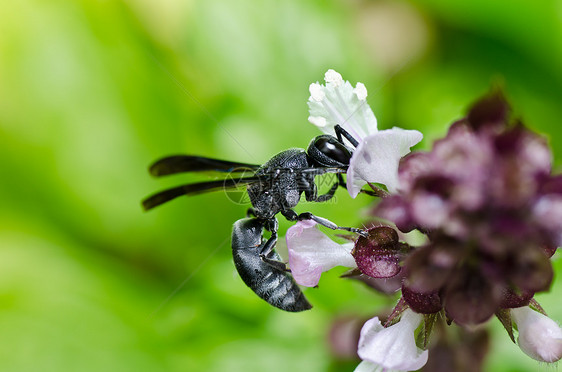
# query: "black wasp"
274,187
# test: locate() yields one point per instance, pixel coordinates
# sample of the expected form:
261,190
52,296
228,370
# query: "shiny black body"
282,185
273,284
275,187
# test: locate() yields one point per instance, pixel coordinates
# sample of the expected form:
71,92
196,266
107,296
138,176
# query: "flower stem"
378,191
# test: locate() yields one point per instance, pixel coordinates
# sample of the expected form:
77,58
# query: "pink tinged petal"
344,336
412,167
536,153
396,209
539,336
548,212
311,252
376,159
393,347
430,210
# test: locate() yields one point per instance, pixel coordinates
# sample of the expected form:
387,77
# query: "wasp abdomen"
272,284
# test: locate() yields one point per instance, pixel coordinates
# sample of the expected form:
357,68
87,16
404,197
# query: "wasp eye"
333,149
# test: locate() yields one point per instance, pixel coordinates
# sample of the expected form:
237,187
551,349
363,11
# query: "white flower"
311,253
338,102
392,348
377,156
539,336
366,366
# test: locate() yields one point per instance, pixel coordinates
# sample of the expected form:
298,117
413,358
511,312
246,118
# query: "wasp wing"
195,189
189,163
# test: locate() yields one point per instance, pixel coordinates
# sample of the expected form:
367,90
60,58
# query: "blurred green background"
91,92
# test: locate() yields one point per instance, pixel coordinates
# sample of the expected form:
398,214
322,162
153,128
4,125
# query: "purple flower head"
492,211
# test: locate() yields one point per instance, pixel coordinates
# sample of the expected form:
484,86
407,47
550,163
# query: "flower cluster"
485,197
488,205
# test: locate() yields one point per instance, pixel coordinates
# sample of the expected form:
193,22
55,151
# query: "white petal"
319,121
393,347
376,159
539,336
360,91
333,77
316,92
339,103
311,252
366,366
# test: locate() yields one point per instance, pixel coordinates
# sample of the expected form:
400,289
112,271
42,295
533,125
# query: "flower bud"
539,336
379,254
422,303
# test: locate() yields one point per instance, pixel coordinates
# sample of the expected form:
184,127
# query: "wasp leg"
269,245
272,225
327,223
319,171
291,215
368,192
341,181
311,191
282,266
329,195
309,187
340,131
